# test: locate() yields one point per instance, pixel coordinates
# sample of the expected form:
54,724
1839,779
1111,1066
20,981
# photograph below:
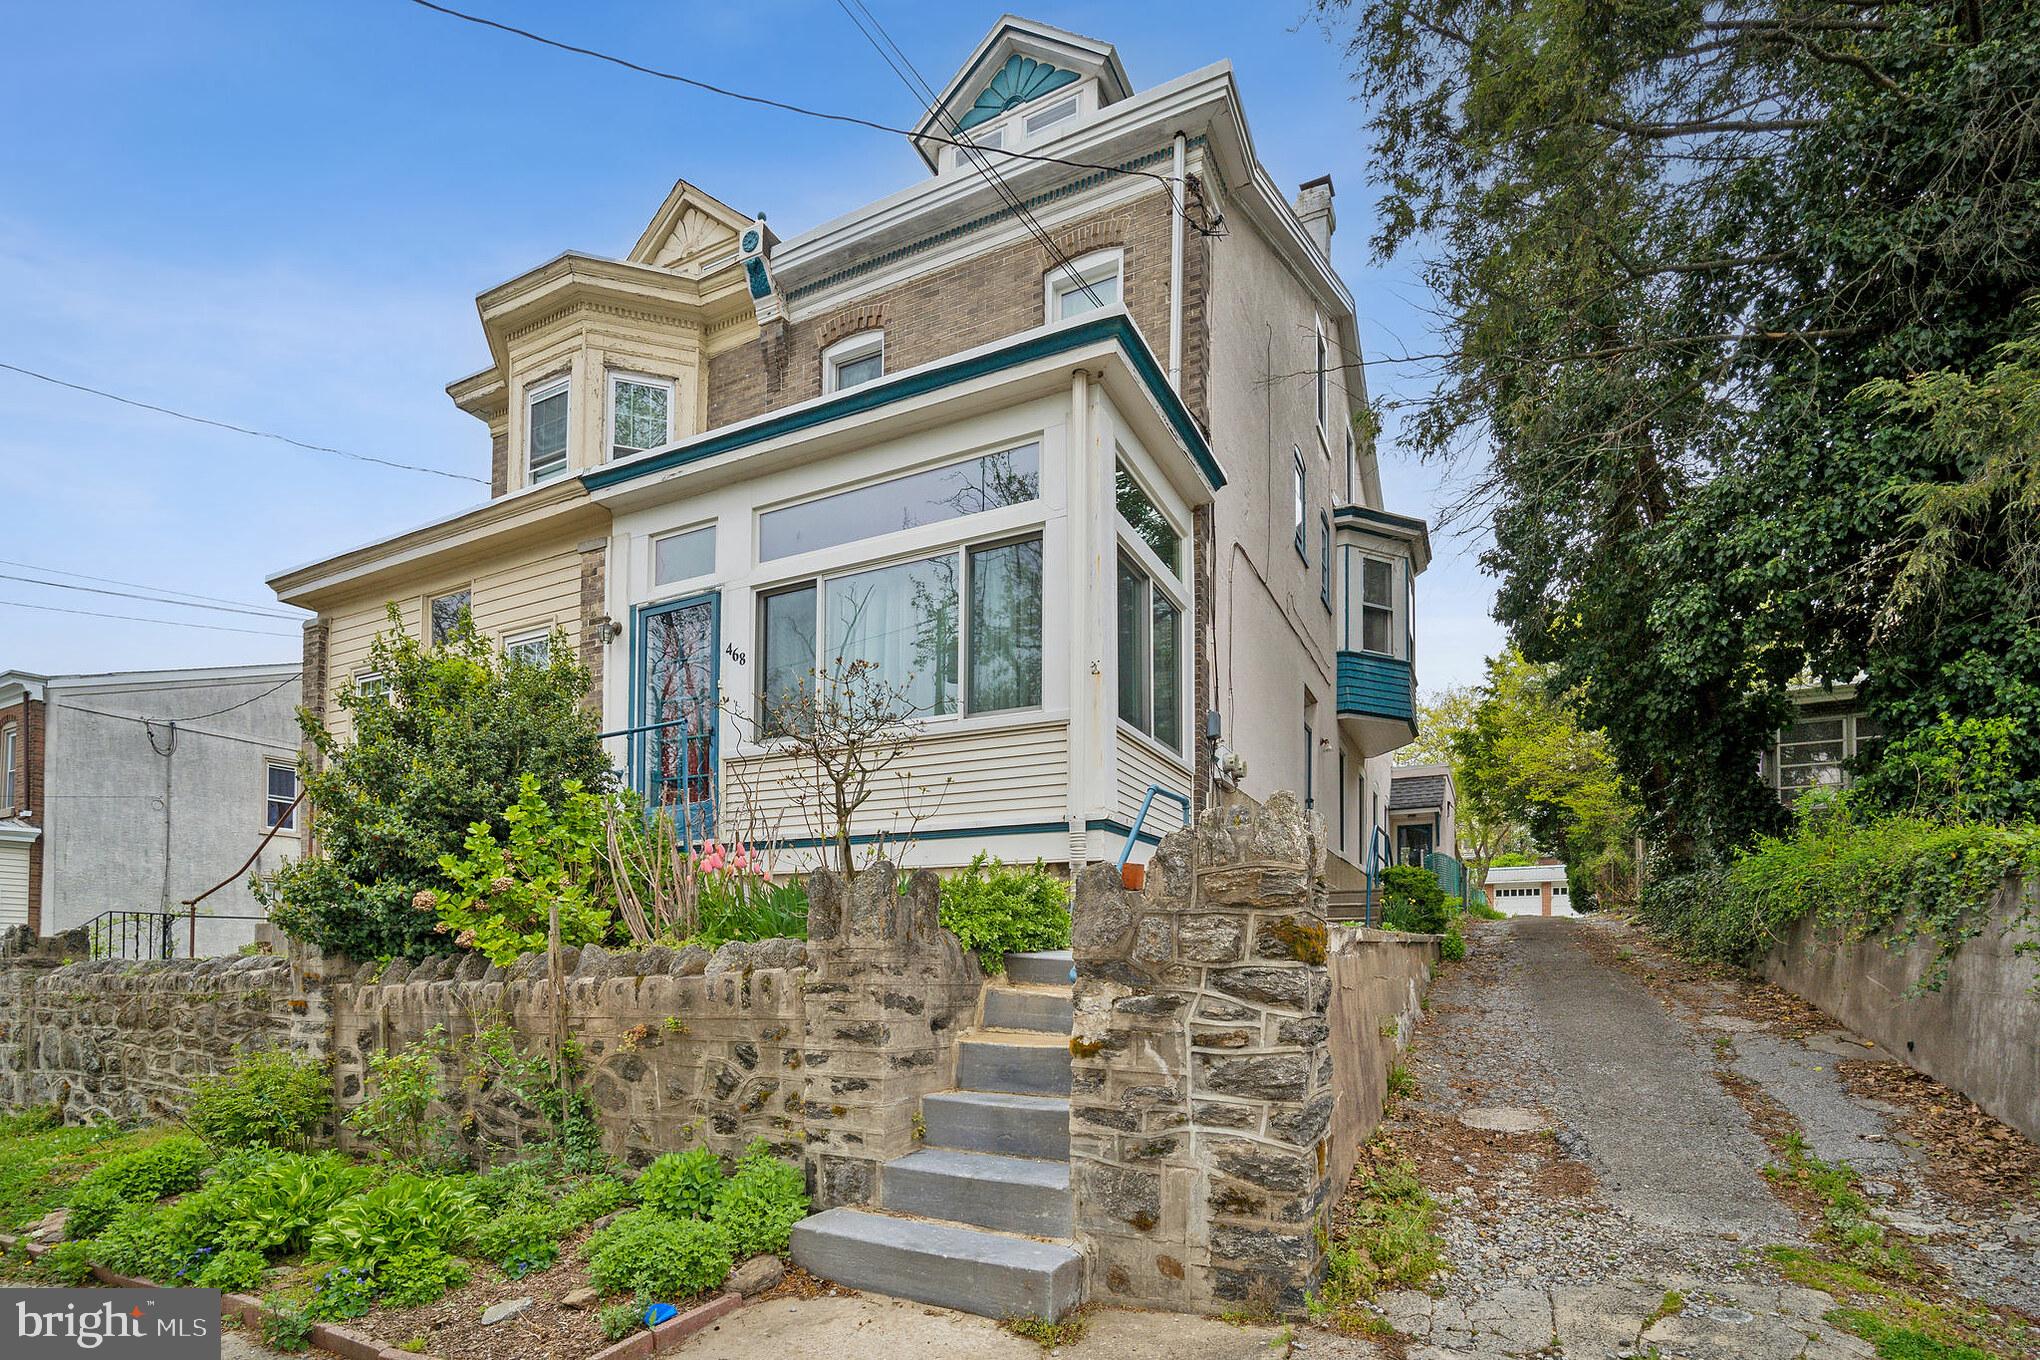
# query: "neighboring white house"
1423,814
1530,890
132,791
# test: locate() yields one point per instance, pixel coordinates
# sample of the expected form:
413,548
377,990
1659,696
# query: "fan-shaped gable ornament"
1018,81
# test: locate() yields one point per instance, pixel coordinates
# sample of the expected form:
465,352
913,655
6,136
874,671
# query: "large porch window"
1150,629
989,482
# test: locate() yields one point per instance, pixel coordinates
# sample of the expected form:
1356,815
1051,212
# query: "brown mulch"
1432,1140
798,1284
1975,1158
451,1328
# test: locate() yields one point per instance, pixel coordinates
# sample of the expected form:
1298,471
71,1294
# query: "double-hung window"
1149,621
1084,284
533,648
1375,612
640,414
1324,560
545,432
445,612
9,756
854,361
279,804
1297,502
1324,385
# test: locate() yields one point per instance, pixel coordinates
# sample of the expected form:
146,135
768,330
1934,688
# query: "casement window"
533,648
1814,753
1325,558
280,795
1370,621
683,556
545,432
1297,501
1086,284
989,482
1054,116
1150,636
1145,519
444,613
955,632
640,414
1324,385
10,748
854,361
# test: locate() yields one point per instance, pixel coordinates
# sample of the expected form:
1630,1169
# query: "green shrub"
235,1270
619,1320
169,1167
418,1276
286,1323
341,1293
69,1262
652,1256
1412,900
593,1198
504,893
523,1240
682,1184
267,1099
514,1185
145,1243
761,1203
402,1084
274,1209
402,1213
996,910
1452,948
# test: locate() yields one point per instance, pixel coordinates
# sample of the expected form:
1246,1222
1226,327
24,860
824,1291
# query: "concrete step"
1033,1008
941,1263
1006,1194
1050,967
1022,1064
988,1121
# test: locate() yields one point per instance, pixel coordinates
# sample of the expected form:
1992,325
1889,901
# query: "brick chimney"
1314,208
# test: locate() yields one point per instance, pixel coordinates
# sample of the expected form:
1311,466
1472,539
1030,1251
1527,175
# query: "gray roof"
1406,791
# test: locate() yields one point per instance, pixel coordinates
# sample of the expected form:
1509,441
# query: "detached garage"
1530,890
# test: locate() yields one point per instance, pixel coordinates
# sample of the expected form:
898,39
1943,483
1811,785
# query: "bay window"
1145,518
1371,608
1150,644
640,414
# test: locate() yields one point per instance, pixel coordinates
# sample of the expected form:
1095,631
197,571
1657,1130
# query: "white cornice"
18,685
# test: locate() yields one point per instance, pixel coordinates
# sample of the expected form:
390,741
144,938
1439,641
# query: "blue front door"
674,709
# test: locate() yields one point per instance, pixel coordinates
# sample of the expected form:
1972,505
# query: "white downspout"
1082,584
1176,209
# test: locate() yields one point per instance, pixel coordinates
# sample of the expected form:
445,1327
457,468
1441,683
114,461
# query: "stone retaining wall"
1979,1033
1378,982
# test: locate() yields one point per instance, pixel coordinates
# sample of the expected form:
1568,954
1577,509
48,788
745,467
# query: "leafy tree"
1486,830
1527,753
1672,243
440,751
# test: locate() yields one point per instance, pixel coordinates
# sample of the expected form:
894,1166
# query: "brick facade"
26,717
594,616
499,464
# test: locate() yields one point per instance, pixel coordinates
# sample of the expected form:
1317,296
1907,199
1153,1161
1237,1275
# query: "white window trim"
849,349
1149,559
524,637
466,588
1321,395
296,785
1357,582
10,771
617,375
1300,505
1170,589
988,138
533,395
1053,104
1090,268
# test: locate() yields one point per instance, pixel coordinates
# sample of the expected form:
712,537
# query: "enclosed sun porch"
1003,538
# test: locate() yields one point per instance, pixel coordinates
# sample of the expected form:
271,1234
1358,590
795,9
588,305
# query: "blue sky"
279,215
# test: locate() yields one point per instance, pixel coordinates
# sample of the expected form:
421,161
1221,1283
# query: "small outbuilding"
1530,889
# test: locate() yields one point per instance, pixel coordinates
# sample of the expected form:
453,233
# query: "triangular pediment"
1018,62
690,231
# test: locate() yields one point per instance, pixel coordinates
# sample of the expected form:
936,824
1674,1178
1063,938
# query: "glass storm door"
1413,843
673,756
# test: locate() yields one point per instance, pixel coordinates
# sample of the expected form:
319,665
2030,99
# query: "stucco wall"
1979,1033
1379,978
129,827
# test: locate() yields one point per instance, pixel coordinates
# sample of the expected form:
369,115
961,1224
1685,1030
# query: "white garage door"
13,884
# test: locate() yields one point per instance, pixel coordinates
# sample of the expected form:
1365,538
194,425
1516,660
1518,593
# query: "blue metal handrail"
1126,851
1377,854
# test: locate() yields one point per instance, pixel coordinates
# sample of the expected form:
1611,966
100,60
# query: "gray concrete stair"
945,1264
1044,1009
1019,1063
1006,1194
1050,967
995,1121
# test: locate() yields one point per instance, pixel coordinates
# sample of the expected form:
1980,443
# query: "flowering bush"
504,893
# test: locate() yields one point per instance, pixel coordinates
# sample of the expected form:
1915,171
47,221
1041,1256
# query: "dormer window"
640,413
545,434
1086,284
1054,116
854,361
986,139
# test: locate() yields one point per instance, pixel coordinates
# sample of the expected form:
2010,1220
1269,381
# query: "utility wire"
195,717
153,599
152,723
970,149
138,585
137,618
825,115
239,429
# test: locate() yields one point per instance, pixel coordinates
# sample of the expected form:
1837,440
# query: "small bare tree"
842,728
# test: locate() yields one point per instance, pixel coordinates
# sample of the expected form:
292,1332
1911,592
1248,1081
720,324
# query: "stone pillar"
1201,1095
888,990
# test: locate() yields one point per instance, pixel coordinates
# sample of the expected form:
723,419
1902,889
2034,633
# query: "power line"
153,599
138,585
195,717
153,723
137,618
825,115
240,429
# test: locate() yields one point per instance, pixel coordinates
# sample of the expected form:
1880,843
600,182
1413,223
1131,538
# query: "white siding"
1138,766
13,884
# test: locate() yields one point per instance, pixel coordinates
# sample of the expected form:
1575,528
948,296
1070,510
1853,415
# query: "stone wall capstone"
888,991
1201,1091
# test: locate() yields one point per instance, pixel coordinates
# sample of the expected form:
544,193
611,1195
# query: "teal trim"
1119,828
1372,686
953,833
1020,81
638,775
1361,514
885,392
1001,216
